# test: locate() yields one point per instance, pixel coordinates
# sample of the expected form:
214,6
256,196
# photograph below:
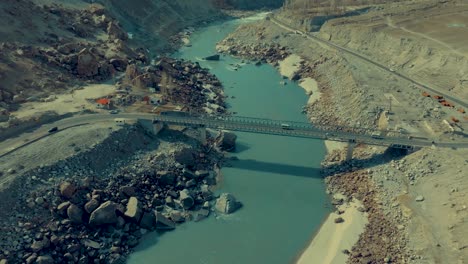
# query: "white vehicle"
120,121
377,135
285,126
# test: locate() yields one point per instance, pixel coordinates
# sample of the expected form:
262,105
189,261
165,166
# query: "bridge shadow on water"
318,173
277,168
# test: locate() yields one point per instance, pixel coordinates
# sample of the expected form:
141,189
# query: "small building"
103,103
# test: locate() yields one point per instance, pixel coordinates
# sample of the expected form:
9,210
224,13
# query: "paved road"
304,130
422,87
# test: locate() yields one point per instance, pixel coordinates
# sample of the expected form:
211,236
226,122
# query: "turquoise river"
276,178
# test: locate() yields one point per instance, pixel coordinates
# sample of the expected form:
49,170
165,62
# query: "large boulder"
131,72
62,208
134,209
91,205
227,204
148,220
75,214
115,32
227,141
186,200
163,223
186,156
215,57
39,245
106,213
127,191
46,259
67,189
88,65
166,178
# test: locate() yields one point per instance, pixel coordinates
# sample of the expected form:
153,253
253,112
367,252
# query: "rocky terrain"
403,195
93,207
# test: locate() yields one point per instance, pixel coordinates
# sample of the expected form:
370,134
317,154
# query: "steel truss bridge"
300,130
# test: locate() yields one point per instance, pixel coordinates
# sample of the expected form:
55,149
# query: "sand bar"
333,238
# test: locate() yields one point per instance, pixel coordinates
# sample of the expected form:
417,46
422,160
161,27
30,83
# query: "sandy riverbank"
290,66
332,238
328,244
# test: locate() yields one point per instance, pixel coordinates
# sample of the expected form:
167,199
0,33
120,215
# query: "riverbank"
340,231
342,228
335,237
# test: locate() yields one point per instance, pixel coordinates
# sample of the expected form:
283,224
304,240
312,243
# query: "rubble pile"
92,47
192,86
264,53
68,214
382,239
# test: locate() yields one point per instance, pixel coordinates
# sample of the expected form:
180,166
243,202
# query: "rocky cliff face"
153,22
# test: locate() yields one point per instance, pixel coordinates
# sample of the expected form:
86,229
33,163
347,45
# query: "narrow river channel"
276,178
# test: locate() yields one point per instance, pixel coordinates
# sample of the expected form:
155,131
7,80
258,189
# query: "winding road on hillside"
422,87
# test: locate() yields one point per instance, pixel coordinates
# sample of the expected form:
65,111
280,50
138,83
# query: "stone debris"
106,213
226,141
419,198
143,192
227,204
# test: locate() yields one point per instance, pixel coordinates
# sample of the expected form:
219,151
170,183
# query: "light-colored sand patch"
332,238
67,103
334,145
289,66
311,87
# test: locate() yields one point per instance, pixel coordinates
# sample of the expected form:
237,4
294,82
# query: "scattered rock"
215,57
75,214
339,220
177,216
45,260
67,190
92,244
227,204
185,199
163,223
148,220
39,245
106,213
127,191
166,178
115,32
201,214
91,205
227,141
134,210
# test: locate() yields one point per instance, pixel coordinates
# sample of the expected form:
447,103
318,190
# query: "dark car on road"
52,130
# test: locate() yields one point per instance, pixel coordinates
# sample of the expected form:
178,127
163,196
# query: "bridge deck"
296,129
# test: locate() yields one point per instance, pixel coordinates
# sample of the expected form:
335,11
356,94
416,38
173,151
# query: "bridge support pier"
202,134
157,127
350,150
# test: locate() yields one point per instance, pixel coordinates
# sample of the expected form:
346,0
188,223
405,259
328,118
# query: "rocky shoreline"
383,240
99,212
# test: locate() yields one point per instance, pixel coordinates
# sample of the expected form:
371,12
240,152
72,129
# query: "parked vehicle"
377,135
286,126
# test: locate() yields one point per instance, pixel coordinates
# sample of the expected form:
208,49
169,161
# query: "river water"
276,178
